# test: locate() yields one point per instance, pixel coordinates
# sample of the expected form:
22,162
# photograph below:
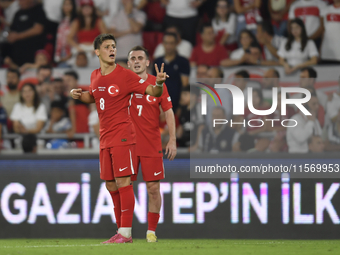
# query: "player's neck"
143,75
106,69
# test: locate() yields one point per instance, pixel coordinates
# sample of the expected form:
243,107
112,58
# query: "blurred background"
47,139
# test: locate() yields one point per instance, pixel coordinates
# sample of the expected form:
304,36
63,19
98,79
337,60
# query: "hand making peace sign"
160,75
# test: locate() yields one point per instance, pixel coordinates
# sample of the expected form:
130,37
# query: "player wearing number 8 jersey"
145,115
111,88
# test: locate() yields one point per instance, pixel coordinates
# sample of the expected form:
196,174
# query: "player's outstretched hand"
75,93
171,150
160,75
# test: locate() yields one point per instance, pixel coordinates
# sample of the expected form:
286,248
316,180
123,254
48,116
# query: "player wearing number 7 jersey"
145,115
111,89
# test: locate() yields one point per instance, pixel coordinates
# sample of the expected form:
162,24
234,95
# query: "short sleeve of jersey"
165,99
135,83
90,87
39,15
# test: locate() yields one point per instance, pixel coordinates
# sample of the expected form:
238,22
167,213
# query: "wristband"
159,85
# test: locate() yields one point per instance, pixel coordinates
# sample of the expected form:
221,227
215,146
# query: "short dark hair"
101,38
311,72
29,142
73,74
243,73
205,25
219,70
171,34
256,45
44,67
58,104
14,70
267,27
179,31
140,48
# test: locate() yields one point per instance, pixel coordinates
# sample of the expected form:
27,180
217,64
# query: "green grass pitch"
168,247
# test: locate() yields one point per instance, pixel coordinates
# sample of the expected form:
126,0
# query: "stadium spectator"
155,12
59,93
268,40
29,115
63,49
184,14
308,78
215,76
278,143
330,50
217,138
42,58
334,130
44,87
127,28
81,60
271,79
29,143
84,29
241,55
26,29
177,67
208,53
190,118
202,72
107,9
3,127
256,56
307,126
12,95
9,8
316,144
278,10
240,80
58,122
53,11
310,12
297,51
77,110
184,47
248,14
259,125
333,105
224,24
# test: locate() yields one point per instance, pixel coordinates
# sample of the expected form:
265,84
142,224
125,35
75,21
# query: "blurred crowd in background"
201,35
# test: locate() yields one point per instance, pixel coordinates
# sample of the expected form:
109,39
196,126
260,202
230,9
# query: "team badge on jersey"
150,99
113,90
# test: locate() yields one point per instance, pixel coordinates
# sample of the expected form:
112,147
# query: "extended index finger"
162,68
156,67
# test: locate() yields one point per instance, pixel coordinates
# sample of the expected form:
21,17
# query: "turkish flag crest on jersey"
151,99
113,90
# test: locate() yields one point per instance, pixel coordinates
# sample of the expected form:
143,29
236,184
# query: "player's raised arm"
85,96
157,90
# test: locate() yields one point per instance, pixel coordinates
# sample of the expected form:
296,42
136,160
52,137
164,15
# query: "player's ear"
128,63
147,62
97,52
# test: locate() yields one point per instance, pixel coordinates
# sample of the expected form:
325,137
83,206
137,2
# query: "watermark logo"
239,101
